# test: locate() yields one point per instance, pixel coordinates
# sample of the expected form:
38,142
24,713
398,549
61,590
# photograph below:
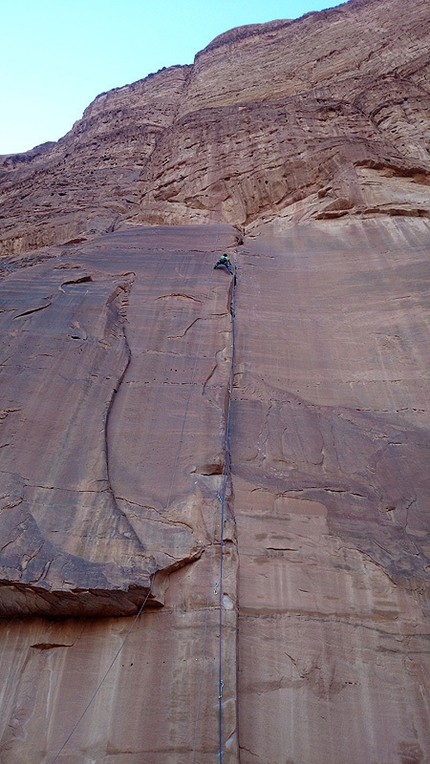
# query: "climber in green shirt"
224,261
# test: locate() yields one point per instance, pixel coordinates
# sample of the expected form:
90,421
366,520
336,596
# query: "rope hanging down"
222,497
175,465
225,475
216,589
113,661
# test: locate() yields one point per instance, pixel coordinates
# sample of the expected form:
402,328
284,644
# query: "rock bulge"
324,116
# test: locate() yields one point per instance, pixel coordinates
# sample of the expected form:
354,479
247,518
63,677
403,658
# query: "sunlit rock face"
317,118
159,417
101,342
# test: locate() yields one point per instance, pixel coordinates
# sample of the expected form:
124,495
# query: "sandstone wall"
330,447
326,556
329,111
241,461
112,444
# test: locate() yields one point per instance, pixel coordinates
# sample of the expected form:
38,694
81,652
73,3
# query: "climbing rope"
222,499
175,465
225,475
112,663
217,588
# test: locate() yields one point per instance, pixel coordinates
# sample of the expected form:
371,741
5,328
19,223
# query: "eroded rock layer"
320,117
329,451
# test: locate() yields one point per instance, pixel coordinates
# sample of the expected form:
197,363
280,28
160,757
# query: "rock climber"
224,261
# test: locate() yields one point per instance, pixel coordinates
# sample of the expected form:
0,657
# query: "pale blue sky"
57,55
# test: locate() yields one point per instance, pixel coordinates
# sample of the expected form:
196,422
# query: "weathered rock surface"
302,149
91,476
321,117
330,444
115,377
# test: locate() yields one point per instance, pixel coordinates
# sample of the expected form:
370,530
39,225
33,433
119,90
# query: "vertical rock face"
214,490
315,118
113,450
330,443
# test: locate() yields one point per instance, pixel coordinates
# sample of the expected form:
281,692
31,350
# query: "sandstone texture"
215,490
330,447
316,118
102,348
115,392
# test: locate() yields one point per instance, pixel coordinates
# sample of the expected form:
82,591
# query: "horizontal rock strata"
320,117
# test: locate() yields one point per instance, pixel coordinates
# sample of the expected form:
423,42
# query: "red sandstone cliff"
156,421
317,118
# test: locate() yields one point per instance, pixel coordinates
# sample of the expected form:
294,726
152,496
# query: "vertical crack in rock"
76,552
118,303
229,562
166,440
